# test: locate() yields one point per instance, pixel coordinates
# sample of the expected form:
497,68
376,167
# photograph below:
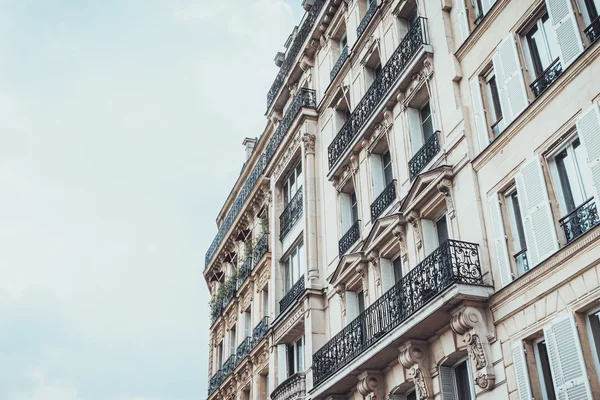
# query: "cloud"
42,389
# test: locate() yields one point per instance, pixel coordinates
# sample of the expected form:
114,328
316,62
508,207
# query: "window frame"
467,361
295,345
290,189
594,347
492,104
532,63
539,370
297,250
510,219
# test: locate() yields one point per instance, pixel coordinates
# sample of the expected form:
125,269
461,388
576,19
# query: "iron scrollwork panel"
581,220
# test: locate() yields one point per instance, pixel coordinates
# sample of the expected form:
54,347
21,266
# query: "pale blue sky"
121,124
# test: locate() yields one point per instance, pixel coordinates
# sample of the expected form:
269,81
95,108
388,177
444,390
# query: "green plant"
264,223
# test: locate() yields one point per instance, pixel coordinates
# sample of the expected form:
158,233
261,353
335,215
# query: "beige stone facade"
419,218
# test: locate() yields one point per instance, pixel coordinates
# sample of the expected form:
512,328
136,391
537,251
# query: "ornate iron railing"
521,261
580,220
304,98
228,366
243,349
338,64
379,90
260,330
547,78
593,31
215,382
293,388
260,249
453,262
245,270
294,50
425,154
291,214
292,295
349,238
367,18
216,311
384,200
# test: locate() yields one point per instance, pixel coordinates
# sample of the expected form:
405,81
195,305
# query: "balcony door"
292,268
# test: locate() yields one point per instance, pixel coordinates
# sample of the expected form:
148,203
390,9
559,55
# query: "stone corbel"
401,237
373,258
276,116
340,289
363,272
306,63
471,324
445,188
370,385
309,140
415,358
415,222
293,88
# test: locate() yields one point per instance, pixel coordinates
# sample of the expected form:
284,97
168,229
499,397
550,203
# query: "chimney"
249,144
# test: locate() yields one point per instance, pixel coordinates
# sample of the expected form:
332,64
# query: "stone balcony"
293,388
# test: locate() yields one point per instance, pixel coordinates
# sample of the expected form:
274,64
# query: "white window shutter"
502,256
521,372
479,114
567,30
536,212
377,174
569,373
513,92
351,306
430,241
335,315
387,274
415,129
463,20
588,129
447,383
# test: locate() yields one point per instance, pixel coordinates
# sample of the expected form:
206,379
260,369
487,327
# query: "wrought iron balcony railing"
244,349
379,90
339,63
260,330
292,295
304,98
215,382
580,220
245,270
294,50
593,31
367,18
349,238
425,154
453,262
293,388
260,249
521,261
384,200
547,78
228,366
291,214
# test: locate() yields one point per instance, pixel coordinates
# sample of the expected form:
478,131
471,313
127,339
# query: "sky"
121,129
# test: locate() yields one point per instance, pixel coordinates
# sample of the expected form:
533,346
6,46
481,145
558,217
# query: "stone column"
310,211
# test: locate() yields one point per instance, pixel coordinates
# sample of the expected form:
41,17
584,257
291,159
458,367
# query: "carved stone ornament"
445,188
276,116
420,77
415,221
362,271
400,235
341,291
471,324
371,385
287,155
309,141
373,258
306,63
414,357
289,323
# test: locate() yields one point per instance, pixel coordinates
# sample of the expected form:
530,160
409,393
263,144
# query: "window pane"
398,269
412,396
462,380
538,50
427,122
286,197
361,302
354,203
442,230
595,332
552,42
565,182
300,358
495,98
290,359
545,369
387,168
519,235
583,170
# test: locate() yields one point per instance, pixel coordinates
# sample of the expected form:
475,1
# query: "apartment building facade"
418,219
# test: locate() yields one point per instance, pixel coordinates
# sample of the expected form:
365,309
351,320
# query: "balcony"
349,238
339,63
305,98
454,262
409,47
294,50
291,214
260,330
424,156
228,366
580,220
215,382
260,249
244,349
293,388
383,201
366,19
245,271
547,78
593,31
292,295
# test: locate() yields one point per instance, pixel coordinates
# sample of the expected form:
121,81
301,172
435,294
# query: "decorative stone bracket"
373,258
371,385
471,324
415,222
400,234
445,187
415,358
341,291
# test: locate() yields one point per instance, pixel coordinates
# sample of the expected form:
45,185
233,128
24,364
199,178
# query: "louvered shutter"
569,373
521,371
447,383
513,92
567,30
502,256
536,212
588,129
463,20
479,114
430,241
377,174
387,274
415,129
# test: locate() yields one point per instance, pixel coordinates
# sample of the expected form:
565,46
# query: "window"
292,184
478,11
590,10
220,355
412,395
265,302
343,42
517,237
361,302
293,267
295,356
593,320
492,100
387,168
354,207
462,380
397,269
543,369
541,46
232,341
441,228
426,122
571,176
247,324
